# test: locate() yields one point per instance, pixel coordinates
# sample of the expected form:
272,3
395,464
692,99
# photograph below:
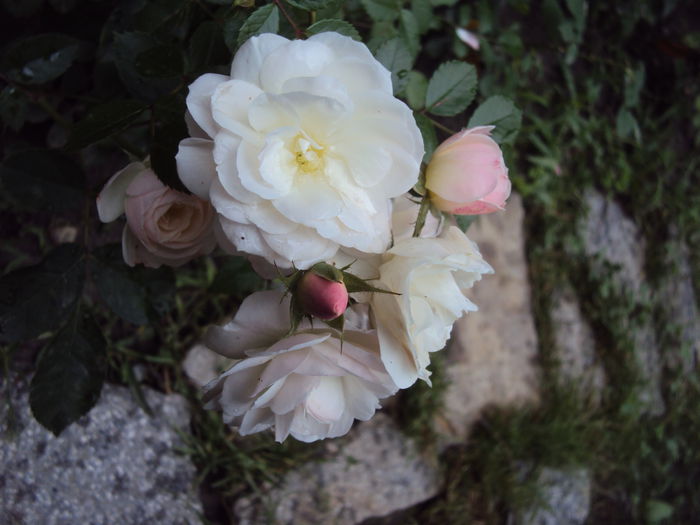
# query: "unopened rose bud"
321,297
467,174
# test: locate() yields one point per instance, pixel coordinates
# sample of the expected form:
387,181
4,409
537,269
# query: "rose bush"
304,384
301,148
432,275
164,226
467,174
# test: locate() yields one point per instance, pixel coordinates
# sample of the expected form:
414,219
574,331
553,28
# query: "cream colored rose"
301,148
164,226
432,276
305,384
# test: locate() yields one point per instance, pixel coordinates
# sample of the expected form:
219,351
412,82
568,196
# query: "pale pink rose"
321,297
467,174
164,226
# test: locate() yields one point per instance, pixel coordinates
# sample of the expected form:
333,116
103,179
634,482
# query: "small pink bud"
322,298
467,174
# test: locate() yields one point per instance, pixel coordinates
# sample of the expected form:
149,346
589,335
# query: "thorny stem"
297,32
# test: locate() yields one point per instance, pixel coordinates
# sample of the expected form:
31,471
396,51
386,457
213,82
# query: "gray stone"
492,357
677,297
372,471
610,236
565,498
114,465
575,353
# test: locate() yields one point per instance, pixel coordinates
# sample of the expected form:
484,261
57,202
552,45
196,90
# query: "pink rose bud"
321,297
467,174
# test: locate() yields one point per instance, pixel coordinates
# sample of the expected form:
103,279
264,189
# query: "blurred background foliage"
608,96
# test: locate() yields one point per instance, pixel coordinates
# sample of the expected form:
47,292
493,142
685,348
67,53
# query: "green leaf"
104,121
382,10
39,59
43,180
464,221
265,19
310,5
69,375
37,299
338,26
164,146
427,129
236,278
423,12
416,87
207,46
451,89
118,287
500,112
232,28
395,56
127,48
657,511
160,61
13,108
408,29
634,82
627,125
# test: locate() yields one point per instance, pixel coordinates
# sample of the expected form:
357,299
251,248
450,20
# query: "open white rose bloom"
305,385
306,161
301,148
432,275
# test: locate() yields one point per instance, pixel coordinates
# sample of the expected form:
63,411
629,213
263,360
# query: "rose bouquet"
303,161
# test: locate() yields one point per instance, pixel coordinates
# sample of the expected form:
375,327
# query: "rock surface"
575,346
611,237
565,499
491,361
115,465
373,471
677,296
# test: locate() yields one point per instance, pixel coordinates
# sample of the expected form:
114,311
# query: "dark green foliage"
68,376
40,298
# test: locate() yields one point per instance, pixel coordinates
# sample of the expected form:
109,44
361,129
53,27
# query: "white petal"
110,201
298,58
195,165
250,56
230,103
256,420
296,388
225,151
326,402
199,101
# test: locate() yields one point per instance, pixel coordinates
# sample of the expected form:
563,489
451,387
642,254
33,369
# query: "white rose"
305,384
301,148
431,274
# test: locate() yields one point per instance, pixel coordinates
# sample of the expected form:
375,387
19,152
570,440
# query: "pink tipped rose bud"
467,174
321,297
164,226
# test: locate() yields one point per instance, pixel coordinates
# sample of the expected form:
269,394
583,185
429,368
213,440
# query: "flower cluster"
304,161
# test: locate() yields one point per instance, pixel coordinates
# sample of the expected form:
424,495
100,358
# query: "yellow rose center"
308,154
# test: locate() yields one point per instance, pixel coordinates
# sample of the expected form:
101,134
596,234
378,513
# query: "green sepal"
355,284
327,271
419,187
338,323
